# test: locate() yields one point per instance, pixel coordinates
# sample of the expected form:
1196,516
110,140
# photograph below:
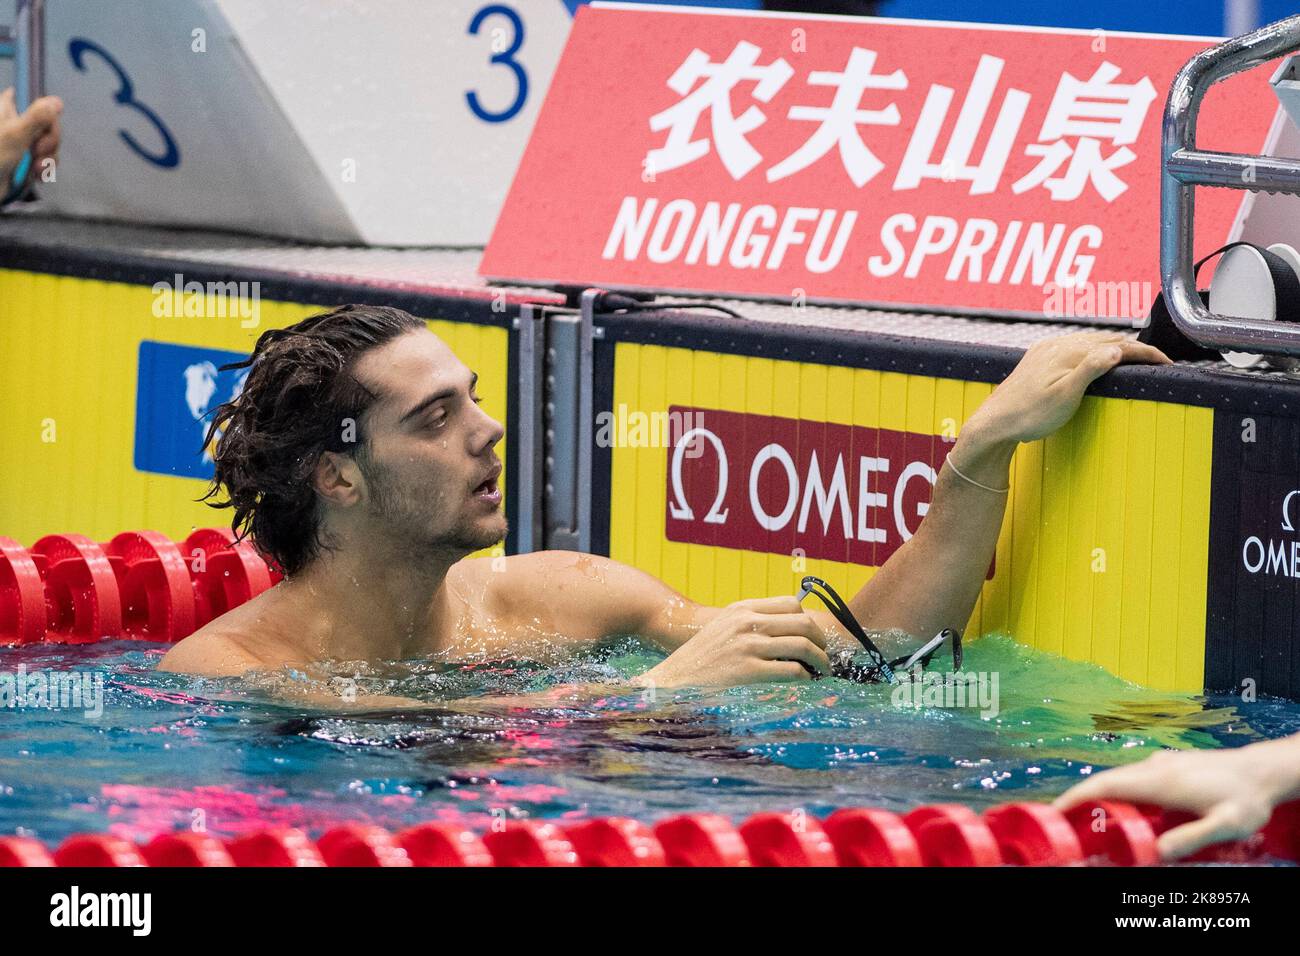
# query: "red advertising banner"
957,167
777,485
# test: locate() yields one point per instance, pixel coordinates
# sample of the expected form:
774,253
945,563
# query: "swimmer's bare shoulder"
241,640
209,653
576,597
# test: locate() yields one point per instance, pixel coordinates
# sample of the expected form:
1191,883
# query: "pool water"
170,751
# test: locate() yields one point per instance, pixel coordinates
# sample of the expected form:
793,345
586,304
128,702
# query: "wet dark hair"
299,400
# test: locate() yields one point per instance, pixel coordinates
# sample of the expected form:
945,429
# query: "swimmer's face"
429,469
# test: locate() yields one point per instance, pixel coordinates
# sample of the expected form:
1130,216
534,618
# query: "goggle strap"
840,611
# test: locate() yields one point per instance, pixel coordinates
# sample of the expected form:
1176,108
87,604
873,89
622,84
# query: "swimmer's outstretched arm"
1232,792
931,582
576,600
934,579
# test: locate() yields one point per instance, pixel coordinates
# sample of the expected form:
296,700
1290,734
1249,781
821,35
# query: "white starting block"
385,123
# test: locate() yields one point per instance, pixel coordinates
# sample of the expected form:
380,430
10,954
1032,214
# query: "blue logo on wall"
176,389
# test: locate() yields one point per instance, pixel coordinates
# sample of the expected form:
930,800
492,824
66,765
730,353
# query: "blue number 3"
171,156
505,57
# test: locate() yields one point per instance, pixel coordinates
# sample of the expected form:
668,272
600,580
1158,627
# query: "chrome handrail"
1184,166
25,45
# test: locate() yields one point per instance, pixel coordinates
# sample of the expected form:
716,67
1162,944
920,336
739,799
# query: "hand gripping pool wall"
106,384
1118,531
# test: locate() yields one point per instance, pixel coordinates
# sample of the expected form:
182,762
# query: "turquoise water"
173,752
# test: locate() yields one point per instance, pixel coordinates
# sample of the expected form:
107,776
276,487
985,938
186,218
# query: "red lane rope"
68,589
1103,833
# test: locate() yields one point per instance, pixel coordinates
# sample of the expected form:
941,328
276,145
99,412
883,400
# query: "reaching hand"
37,130
1232,792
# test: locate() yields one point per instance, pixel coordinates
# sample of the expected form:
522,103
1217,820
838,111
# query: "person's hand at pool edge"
1232,792
934,579
1047,385
36,129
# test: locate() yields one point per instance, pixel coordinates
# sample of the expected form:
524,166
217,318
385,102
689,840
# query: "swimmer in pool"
359,459
36,129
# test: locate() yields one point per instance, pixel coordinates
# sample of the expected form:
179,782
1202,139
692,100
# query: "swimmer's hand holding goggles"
879,670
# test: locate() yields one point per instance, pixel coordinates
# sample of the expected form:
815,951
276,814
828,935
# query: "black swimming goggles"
879,669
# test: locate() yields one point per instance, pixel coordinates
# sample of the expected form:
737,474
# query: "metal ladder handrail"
25,45
1184,166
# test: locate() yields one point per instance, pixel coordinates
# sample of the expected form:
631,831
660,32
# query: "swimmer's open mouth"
487,489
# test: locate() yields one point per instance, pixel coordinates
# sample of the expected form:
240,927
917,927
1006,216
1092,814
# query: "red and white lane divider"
68,589
1103,833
